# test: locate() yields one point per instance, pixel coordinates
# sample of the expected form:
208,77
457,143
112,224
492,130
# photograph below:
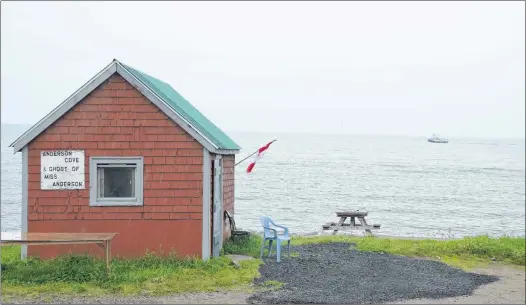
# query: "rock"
236,258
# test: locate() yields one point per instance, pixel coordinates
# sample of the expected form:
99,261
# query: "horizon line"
345,133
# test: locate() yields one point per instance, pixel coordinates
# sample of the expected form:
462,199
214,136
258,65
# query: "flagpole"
252,154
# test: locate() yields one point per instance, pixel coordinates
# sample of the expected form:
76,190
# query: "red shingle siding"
228,183
117,120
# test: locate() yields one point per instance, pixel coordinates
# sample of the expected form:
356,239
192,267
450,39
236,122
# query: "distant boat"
437,139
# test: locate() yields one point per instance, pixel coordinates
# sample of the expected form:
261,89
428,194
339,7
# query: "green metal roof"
182,107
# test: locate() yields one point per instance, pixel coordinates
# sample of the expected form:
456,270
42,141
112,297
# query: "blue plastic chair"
271,235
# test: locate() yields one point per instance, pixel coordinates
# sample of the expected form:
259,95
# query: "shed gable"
159,93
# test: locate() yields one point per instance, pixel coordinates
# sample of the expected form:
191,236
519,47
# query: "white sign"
62,170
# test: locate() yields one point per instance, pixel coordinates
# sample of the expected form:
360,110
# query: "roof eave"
227,151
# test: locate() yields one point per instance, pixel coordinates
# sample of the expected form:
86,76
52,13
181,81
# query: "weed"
249,246
272,285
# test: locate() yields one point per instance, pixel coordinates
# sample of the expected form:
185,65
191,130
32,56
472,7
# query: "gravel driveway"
334,274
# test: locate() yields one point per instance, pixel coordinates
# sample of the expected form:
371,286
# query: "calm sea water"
409,186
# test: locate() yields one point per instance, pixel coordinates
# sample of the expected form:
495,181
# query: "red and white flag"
258,156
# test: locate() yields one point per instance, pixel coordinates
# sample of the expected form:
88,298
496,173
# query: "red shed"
127,154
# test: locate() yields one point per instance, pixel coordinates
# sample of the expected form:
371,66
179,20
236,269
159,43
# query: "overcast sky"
413,68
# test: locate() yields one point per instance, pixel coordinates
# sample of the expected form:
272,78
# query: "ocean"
411,187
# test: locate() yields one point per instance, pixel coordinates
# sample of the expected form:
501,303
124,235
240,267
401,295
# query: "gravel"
334,274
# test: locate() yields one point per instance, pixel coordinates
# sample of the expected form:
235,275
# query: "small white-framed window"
116,181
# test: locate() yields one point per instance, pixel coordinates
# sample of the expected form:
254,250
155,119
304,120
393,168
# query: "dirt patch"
510,289
187,298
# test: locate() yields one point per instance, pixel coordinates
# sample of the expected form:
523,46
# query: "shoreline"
383,236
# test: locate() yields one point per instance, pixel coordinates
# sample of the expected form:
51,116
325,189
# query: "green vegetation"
249,246
504,249
466,253
151,274
155,275
272,285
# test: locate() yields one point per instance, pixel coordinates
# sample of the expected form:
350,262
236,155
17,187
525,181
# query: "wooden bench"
101,239
341,225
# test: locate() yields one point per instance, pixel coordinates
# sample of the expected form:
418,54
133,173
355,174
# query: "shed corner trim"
207,180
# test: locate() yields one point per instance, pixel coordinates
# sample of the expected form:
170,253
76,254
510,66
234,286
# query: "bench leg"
108,253
364,223
340,223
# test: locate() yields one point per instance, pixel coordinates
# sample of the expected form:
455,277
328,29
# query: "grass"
245,246
272,285
151,274
466,253
155,275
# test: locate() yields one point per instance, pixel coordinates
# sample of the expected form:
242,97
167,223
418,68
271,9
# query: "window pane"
117,182
101,182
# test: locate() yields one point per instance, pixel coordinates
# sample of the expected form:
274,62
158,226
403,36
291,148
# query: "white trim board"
25,189
206,234
115,67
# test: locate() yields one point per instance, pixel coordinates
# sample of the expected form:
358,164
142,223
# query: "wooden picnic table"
103,240
341,225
